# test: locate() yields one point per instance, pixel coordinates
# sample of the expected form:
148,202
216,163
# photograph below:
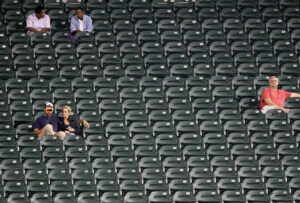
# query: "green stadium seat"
111,197
211,195
20,106
152,175
103,163
151,163
26,73
62,93
292,24
53,152
75,152
39,37
64,48
281,195
85,48
102,25
105,174
65,196
83,94
107,48
203,183
17,94
264,149
217,150
141,13
20,49
12,175
82,186
59,37
177,185
245,161
22,118
56,163
36,175
121,152
215,35
95,4
88,197
241,150
260,138
37,187
157,196
221,161
257,195
32,163
272,172
118,140
191,150
155,185
291,172
135,116
163,13
103,36
57,14
95,140
98,14
134,197
268,13
179,104
274,23
128,174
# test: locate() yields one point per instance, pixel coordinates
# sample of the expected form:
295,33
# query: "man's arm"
89,24
73,26
37,131
45,30
32,29
295,95
35,30
271,103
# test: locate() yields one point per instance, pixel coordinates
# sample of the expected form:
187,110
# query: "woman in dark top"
67,125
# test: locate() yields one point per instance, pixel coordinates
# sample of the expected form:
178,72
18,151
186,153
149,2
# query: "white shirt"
38,24
81,26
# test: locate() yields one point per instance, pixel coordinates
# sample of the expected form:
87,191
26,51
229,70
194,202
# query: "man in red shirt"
274,98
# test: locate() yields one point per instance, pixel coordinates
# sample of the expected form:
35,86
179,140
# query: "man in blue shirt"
81,22
48,123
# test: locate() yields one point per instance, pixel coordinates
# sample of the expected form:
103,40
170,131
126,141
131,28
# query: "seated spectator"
38,21
274,98
48,123
67,125
81,22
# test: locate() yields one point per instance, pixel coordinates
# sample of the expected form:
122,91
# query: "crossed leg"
48,130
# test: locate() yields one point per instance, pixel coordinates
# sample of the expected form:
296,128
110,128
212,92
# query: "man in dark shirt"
48,123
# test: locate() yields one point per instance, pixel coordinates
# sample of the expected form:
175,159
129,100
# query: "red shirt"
278,97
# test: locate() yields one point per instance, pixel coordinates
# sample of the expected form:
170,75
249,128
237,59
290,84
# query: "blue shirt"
44,120
87,24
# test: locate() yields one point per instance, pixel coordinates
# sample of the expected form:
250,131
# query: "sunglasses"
50,110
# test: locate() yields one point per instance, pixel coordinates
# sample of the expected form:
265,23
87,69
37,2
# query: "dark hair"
79,8
39,9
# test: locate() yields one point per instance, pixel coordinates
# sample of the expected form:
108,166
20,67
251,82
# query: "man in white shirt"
38,21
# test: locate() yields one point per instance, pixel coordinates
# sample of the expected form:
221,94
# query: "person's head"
273,82
39,11
66,111
48,109
79,13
